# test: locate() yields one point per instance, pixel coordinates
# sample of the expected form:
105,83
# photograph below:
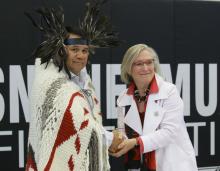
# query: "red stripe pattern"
66,130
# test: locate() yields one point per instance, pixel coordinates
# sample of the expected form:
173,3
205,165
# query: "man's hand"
117,139
124,147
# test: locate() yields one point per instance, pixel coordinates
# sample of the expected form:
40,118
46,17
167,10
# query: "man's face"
77,56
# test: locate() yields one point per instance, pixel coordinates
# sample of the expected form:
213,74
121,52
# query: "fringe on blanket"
94,164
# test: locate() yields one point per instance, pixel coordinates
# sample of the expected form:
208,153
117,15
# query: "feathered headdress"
51,24
94,26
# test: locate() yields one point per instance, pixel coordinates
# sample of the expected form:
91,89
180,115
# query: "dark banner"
185,34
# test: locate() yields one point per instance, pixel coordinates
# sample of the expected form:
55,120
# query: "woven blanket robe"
65,132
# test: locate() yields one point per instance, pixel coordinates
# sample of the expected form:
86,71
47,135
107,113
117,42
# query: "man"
66,131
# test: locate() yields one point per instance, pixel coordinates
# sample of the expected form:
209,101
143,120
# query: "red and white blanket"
65,133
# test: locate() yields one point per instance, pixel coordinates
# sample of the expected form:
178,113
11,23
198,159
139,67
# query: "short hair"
129,57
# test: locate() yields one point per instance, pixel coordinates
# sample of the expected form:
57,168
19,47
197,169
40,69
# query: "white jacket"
164,128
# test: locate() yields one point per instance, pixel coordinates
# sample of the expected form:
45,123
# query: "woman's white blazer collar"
153,112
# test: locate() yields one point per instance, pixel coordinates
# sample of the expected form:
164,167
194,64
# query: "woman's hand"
124,147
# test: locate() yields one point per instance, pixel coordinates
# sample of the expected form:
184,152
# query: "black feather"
96,26
51,24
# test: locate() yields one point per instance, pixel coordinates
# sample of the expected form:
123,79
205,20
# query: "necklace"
141,98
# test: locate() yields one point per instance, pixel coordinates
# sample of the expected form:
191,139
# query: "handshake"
118,138
121,144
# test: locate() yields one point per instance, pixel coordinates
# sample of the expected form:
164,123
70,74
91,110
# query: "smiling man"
66,131
77,50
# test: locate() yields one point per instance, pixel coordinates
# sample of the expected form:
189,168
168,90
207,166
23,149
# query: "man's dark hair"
73,30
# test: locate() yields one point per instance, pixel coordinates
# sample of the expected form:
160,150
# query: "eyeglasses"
149,63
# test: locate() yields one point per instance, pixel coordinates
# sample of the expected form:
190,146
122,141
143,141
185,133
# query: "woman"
150,112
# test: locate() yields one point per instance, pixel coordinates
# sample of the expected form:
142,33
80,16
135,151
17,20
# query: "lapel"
131,118
154,112
153,115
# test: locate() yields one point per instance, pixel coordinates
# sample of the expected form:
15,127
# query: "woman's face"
143,69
